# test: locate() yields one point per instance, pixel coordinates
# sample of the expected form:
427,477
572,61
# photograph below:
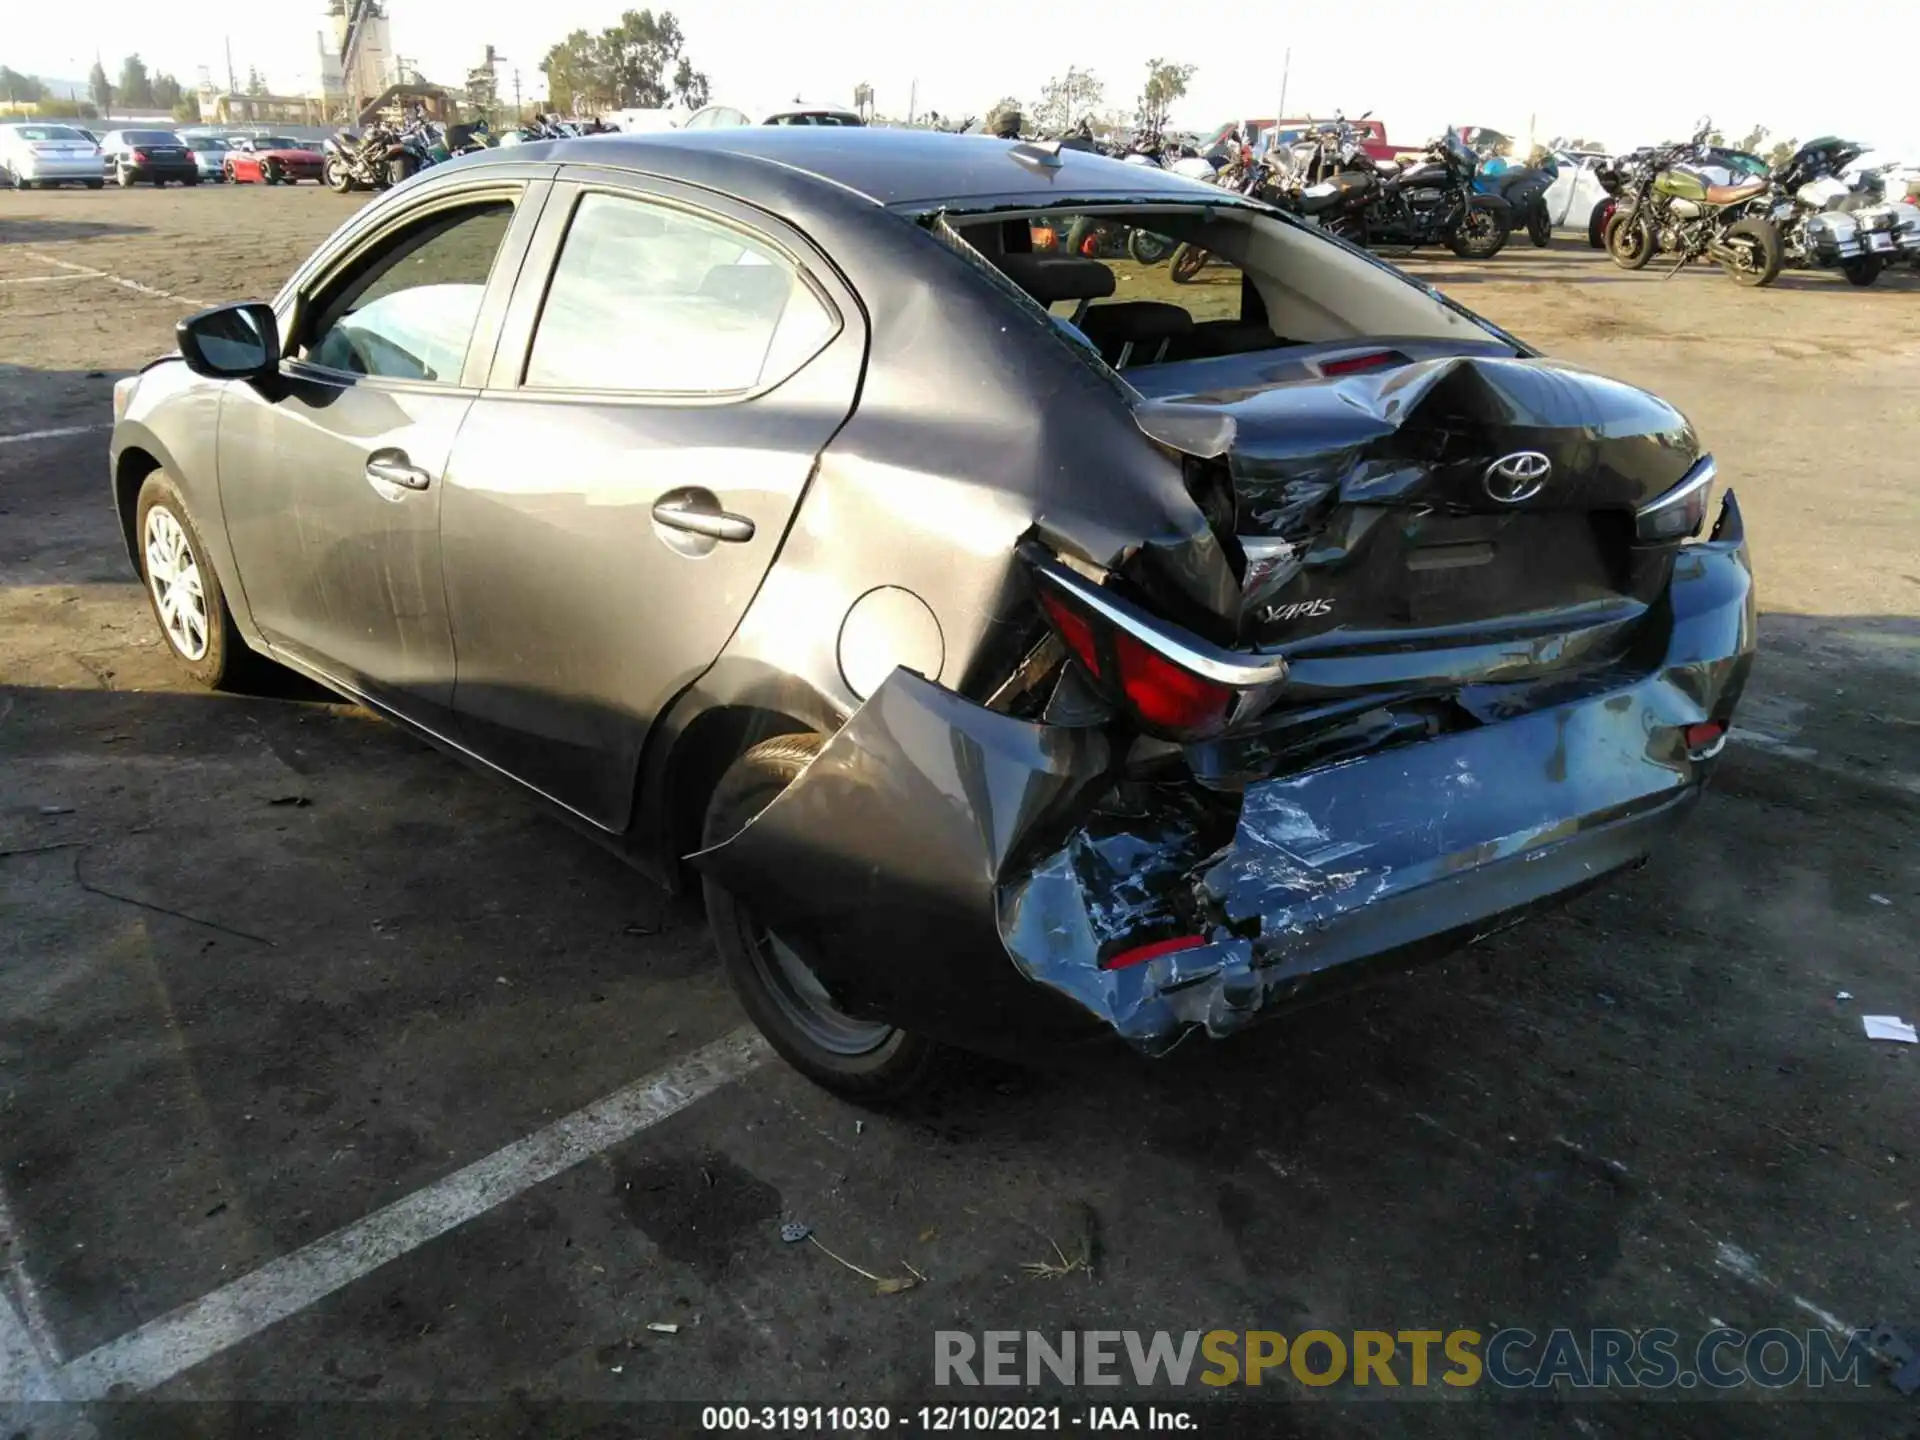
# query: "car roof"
904,168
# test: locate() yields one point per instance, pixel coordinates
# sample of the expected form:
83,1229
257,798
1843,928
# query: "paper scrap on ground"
1889,1027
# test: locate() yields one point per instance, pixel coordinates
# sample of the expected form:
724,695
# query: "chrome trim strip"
1189,652
1702,473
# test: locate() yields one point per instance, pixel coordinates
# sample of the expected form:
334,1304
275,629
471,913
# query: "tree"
136,86
689,85
640,53
58,109
256,82
573,70
1166,83
1752,140
18,89
1781,153
1066,100
99,89
167,92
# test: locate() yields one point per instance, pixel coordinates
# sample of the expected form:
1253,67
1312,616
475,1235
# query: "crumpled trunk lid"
1392,495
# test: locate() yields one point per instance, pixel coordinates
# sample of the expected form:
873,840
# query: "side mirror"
231,342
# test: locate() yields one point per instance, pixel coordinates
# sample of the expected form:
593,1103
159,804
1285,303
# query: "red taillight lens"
1164,696
1075,629
1140,954
1704,739
139,157
1354,364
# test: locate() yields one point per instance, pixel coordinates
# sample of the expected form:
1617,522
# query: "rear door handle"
392,467
681,511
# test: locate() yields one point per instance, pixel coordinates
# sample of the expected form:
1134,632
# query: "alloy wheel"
173,573
794,987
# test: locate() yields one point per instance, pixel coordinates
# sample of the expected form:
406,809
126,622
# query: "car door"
669,370
330,479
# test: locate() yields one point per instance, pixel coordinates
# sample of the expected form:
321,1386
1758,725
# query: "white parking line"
59,434
28,1351
88,272
177,1341
43,279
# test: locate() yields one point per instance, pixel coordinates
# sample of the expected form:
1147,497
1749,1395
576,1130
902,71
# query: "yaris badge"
1516,477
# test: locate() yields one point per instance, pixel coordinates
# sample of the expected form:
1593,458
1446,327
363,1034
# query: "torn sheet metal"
964,873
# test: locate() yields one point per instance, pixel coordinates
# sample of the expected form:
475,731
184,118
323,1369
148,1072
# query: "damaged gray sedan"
1018,648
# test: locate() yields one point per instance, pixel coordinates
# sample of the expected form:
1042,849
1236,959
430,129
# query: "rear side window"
649,298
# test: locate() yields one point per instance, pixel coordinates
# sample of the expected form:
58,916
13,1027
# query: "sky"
1572,68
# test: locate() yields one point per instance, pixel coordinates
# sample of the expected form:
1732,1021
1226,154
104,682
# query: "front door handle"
702,515
392,467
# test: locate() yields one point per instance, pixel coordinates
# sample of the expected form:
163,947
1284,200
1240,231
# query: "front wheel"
1629,240
270,173
1187,263
336,175
96,184
862,1059
182,589
1864,270
1539,227
1758,253
1478,235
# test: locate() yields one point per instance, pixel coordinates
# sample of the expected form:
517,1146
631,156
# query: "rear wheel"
1539,227
124,178
399,169
1148,249
1629,240
1597,224
1187,263
1864,270
270,172
1760,253
96,184
862,1059
336,175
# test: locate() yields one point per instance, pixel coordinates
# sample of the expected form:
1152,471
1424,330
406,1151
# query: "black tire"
1539,226
399,170
270,172
863,1062
124,178
1769,253
1863,270
96,184
226,658
191,180
1597,224
1077,235
1147,248
1629,240
1480,235
1187,263
23,184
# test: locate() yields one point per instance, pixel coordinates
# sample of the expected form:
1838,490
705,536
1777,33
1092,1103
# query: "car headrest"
1138,321
1052,278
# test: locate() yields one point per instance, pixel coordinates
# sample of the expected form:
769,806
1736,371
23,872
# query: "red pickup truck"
1375,131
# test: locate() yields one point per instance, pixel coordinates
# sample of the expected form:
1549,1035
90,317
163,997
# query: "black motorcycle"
373,161
1431,202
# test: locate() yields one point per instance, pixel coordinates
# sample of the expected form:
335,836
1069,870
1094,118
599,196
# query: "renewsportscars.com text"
1515,1359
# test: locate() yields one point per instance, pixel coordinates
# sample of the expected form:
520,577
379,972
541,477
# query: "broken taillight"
1175,685
1681,511
1152,950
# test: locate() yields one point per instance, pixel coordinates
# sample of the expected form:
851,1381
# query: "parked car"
33,153
273,160
154,156
720,117
1010,665
1576,194
209,155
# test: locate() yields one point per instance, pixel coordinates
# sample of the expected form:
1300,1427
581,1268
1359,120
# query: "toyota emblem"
1516,477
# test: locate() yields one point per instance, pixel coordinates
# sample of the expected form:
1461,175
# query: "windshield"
150,137
276,142
47,132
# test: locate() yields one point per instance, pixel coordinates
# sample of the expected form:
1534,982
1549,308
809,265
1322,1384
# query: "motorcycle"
1524,187
373,161
1089,236
1831,219
1377,204
1615,176
1241,171
1674,202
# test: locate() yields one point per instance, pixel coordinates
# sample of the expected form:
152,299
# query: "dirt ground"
267,965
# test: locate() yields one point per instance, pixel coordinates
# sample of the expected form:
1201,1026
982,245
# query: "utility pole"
913,95
232,84
1286,65
518,113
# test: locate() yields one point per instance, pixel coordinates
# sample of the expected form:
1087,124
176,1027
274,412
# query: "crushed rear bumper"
963,873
